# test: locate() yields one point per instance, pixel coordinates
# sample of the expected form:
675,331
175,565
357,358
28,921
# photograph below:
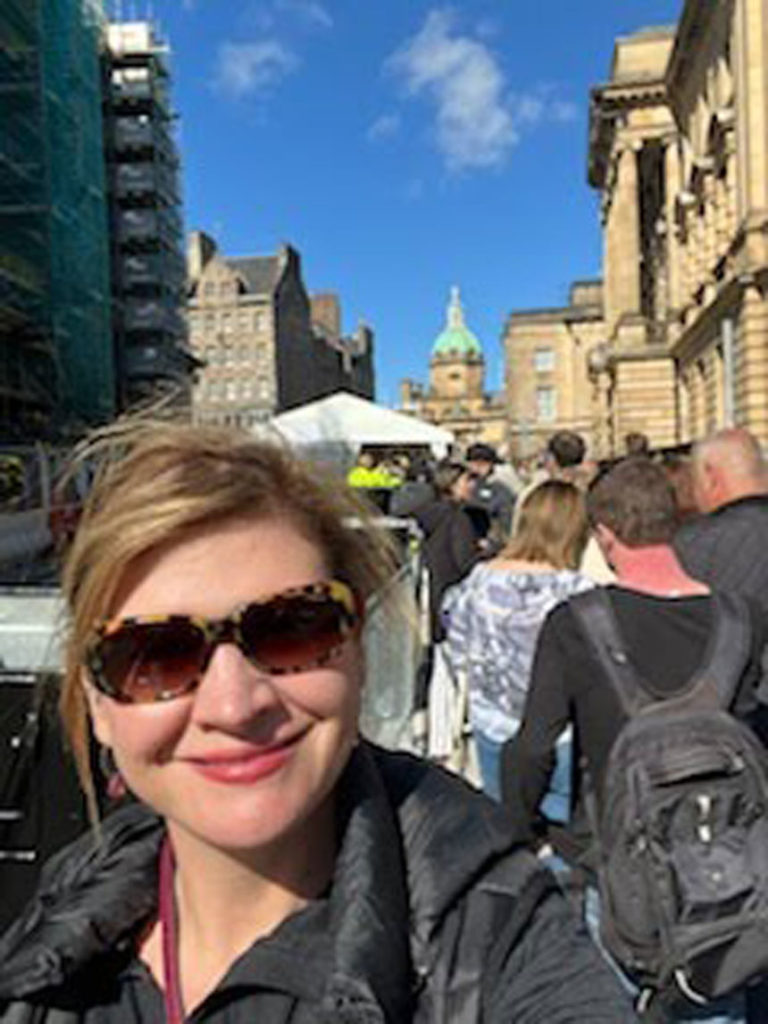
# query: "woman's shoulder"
104,883
557,583
448,828
516,937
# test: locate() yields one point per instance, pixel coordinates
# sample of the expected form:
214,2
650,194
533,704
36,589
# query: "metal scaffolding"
25,394
55,344
79,252
149,273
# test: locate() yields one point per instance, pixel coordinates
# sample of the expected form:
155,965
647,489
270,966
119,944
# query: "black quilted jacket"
431,918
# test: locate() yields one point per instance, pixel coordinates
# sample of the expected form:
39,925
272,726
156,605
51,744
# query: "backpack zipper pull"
704,828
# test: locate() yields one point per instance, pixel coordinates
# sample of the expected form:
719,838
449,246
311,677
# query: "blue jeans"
556,802
728,1010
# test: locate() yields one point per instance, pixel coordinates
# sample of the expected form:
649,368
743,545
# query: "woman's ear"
100,719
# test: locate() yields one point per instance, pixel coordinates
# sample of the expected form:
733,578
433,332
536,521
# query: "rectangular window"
544,360
546,405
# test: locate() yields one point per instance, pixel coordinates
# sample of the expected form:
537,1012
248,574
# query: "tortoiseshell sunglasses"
157,658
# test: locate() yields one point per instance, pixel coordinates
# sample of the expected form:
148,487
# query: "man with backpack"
658,676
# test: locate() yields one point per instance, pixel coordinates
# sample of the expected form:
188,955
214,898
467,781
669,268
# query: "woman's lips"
244,767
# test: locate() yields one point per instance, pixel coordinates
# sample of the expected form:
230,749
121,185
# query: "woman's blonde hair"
552,527
155,482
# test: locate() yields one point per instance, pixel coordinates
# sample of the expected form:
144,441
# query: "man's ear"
713,480
603,533
706,485
604,536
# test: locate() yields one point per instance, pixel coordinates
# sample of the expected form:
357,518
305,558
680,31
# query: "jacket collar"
748,500
406,855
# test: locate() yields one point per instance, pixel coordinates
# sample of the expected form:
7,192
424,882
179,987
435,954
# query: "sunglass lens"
145,662
293,632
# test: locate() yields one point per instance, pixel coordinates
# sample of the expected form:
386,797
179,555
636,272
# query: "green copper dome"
456,339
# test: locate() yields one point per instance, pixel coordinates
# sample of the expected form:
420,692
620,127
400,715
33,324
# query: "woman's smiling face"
246,758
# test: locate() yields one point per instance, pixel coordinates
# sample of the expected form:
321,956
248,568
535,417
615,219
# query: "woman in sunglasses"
272,865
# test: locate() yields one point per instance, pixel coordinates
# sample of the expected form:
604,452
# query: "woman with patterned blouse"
493,620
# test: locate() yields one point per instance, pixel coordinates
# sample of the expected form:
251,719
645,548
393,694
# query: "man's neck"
654,569
747,490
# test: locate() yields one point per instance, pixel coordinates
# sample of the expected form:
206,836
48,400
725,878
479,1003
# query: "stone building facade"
455,397
264,346
679,153
548,383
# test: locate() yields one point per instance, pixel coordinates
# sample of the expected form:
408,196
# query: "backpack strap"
480,934
513,911
730,649
721,673
595,615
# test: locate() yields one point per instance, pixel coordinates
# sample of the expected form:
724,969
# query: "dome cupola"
456,339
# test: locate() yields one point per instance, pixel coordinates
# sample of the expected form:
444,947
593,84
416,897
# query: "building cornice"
607,103
695,338
555,314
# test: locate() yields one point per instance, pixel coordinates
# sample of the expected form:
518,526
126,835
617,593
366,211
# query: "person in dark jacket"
490,495
451,536
270,864
726,546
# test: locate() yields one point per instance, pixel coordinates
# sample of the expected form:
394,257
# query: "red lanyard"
174,1007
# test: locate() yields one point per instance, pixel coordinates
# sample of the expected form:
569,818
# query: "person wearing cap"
490,495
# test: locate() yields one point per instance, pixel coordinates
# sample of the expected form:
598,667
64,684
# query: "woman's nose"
232,690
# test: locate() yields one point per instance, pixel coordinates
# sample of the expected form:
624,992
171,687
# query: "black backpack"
681,825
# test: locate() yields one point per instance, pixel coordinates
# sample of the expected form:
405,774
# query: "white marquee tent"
335,428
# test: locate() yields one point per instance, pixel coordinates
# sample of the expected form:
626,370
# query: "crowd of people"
253,857
656,561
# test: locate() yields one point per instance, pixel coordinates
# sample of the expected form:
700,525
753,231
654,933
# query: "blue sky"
402,146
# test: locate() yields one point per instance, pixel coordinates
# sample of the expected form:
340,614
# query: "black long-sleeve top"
666,641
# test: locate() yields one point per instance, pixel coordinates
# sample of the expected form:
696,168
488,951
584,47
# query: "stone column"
751,364
674,249
684,404
625,231
750,54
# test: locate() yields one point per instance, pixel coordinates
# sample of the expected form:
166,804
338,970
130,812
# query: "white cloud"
562,110
477,120
245,68
308,10
384,127
474,127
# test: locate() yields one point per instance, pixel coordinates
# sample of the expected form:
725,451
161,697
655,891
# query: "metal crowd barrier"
393,644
